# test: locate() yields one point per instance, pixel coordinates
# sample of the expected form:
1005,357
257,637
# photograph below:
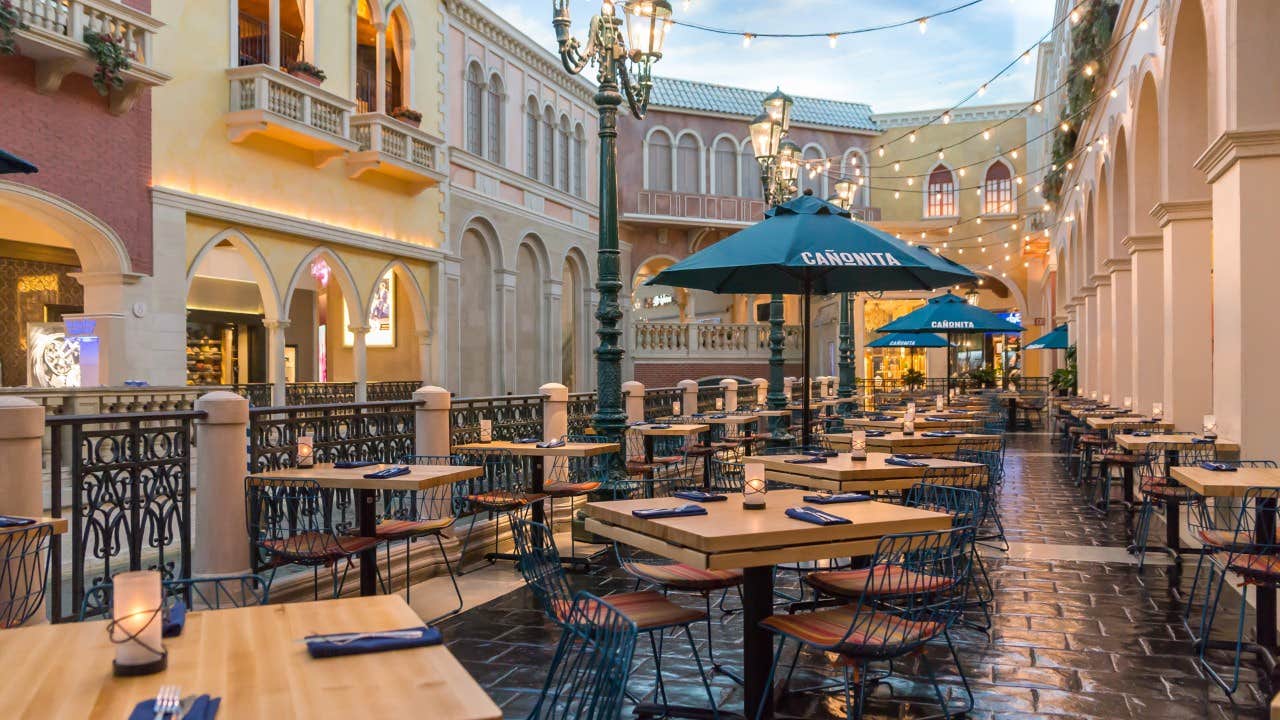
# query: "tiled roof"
690,95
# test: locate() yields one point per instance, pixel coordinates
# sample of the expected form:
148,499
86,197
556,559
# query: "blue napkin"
699,496
821,453
323,646
904,462
913,456
807,461
393,471
881,418
10,521
204,708
1217,466
1202,441
698,415
656,513
833,499
526,441
352,464
937,418
1141,433
937,434
175,618
659,426
717,416
816,516
876,433
558,442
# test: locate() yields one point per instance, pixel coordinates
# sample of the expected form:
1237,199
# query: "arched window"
750,172
562,155
474,108
941,194
495,125
531,153
997,190
724,159
658,154
688,165
812,173
548,146
579,162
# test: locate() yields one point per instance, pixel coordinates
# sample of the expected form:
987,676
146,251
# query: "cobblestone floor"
1071,638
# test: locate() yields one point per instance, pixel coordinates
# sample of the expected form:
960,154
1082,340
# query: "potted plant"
1063,379
10,21
407,115
983,377
109,54
912,378
306,71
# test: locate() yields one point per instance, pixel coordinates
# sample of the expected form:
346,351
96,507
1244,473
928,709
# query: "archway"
321,303
530,286
1145,187
475,313
572,329
1187,92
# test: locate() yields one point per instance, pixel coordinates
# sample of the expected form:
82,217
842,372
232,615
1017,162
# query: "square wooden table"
250,657
1105,423
921,423
845,474
895,442
536,457
419,477
730,537
58,525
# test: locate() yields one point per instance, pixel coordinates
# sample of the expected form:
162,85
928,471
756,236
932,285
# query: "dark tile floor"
1070,638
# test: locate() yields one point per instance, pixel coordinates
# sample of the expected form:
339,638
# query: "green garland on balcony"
10,22
1090,41
109,54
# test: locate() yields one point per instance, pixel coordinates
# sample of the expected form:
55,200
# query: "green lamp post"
624,69
846,190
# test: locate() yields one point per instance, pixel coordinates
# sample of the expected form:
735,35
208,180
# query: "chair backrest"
204,593
976,479
1126,427
588,676
726,475
503,475
963,504
992,460
430,504
1163,455
24,572
540,566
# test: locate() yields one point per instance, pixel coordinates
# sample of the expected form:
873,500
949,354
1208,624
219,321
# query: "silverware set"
348,638
170,705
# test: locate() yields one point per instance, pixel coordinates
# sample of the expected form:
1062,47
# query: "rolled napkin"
881,418
913,456
656,513
353,464
1202,441
526,441
390,472
1217,466
558,442
203,708
1141,433
821,453
937,434
659,426
834,499
323,646
816,516
718,416
699,496
937,418
876,433
175,618
807,461
7,521
904,462
698,415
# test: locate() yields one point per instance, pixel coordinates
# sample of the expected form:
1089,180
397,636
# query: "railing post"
787,385
729,387
221,536
633,396
689,397
21,433
761,388
555,424
432,422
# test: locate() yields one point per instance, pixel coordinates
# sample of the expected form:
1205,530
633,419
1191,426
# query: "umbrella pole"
806,413
948,368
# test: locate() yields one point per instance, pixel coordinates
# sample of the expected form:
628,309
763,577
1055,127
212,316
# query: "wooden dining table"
844,473
731,537
419,477
922,422
894,442
253,658
1139,443
1098,422
536,458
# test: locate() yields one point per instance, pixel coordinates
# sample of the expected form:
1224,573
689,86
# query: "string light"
1065,126
912,136
946,117
1039,107
941,155
832,39
982,89
880,152
746,39
1075,17
897,166
923,24
1142,25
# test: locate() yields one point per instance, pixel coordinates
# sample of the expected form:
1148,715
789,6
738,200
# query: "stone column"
760,388
554,363
507,356
859,338
449,322
1122,328
1188,310
275,358
431,427
689,397
1089,360
380,71
1106,358
729,389
220,543
360,360
555,425
633,400
273,32
1146,262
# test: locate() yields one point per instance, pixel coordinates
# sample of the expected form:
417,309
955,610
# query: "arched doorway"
571,325
321,304
528,317
231,300
476,315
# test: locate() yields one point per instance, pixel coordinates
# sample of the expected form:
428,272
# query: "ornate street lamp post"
779,161
846,189
624,64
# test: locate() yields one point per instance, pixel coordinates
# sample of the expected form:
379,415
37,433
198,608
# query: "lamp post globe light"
624,65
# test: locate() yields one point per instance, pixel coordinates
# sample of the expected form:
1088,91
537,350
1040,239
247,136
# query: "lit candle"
1128,402
938,402
1106,398
306,451
1209,423
753,486
137,626
1157,410
719,404
486,431
858,444
675,408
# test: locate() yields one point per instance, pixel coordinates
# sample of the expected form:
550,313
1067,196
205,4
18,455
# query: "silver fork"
168,701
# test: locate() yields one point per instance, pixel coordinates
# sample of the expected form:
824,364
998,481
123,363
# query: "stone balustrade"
738,341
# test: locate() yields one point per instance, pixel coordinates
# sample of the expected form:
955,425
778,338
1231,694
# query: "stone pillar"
729,389
431,427
220,543
449,324
554,330
859,339
633,400
689,397
760,387
21,486
507,356
1146,262
1106,357
380,71
275,358
273,32
1122,328
360,360
1188,310
788,387
555,425
1088,360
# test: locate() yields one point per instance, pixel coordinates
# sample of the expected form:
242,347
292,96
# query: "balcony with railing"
665,207
709,341
269,102
395,149
52,32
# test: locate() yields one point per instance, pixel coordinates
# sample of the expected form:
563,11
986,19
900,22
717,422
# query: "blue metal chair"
1114,458
912,595
651,612
1255,559
1158,489
291,522
24,572
588,676
503,490
411,515
991,529
213,592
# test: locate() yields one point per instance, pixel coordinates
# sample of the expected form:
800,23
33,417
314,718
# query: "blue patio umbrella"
808,246
949,314
1056,339
10,163
908,340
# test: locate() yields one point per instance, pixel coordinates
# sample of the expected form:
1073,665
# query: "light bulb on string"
746,40
941,155
923,24
961,171
897,166
1115,91
1065,126
1143,24
880,152
911,181
912,136
946,117
1015,154
979,221
832,39
986,134
1075,16
951,230
1088,70
982,89
896,194
1038,107
1026,58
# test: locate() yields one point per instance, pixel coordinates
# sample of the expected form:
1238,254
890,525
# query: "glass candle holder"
909,426
1210,425
858,444
938,403
1128,402
1106,398
486,431
306,451
136,626
1157,410
754,487
1093,395
675,408
719,404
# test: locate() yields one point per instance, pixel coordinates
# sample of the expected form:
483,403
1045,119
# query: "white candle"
1209,422
858,445
753,486
1128,403
136,600
719,403
675,408
1157,410
938,403
306,451
1106,398
486,431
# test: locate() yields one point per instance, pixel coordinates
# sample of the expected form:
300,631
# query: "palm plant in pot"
1063,379
984,377
912,378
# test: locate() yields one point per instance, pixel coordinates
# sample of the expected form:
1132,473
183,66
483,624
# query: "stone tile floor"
1071,638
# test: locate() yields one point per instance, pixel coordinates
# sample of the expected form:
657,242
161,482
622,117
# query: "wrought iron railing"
513,416
581,407
319,393
258,394
129,481
392,390
707,395
657,401
378,431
